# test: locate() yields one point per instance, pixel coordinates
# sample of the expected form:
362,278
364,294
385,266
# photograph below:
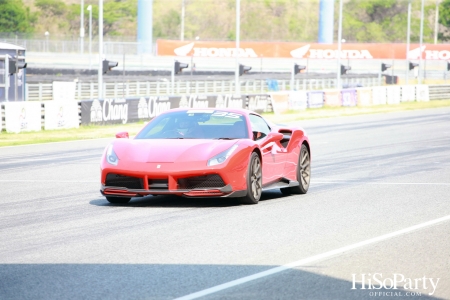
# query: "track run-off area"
374,224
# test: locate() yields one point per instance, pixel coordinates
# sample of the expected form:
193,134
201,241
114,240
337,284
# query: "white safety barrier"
280,102
22,116
298,100
422,93
60,115
364,96
408,93
393,94
379,95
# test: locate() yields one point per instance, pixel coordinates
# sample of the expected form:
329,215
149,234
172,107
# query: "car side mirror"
274,137
122,135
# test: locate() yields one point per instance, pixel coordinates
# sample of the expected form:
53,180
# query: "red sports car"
207,153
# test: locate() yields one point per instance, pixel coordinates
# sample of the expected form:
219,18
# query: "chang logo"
184,103
96,112
115,110
142,109
198,101
157,106
220,102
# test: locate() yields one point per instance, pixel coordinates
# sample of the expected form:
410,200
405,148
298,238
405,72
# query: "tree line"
261,20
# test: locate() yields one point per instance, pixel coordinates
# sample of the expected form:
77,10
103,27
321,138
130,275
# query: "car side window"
260,128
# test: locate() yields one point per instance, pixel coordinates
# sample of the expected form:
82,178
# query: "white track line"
309,260
387,183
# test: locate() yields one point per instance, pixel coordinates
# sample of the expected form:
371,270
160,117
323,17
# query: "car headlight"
111,156
222,156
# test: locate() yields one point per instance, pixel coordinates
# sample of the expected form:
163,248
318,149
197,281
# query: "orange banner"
302,50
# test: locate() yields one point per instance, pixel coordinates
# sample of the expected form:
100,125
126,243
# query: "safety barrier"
34,115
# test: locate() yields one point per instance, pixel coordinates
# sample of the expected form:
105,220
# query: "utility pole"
100,49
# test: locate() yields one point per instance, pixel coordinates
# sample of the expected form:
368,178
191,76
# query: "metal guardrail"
439,92
89,90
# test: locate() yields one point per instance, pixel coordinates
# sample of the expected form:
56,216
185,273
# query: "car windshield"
196,124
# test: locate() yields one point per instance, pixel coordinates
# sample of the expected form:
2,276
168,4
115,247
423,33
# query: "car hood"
169,150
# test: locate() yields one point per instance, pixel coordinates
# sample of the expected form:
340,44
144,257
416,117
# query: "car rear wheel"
303,174
254,180
118,200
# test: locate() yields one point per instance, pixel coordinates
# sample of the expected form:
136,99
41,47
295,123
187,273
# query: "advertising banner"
379,95
349,97
110,111
408,93
315,99
64,91
332,98
22,116
393,94
258,103
298,100
280,102
364,96
60,114
225,49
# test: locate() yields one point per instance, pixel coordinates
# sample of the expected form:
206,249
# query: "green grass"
98,131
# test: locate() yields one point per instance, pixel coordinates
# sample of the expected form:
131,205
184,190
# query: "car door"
273,165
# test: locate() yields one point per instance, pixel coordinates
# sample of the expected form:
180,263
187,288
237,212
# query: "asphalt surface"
374,178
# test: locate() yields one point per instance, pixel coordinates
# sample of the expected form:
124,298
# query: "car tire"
303,174
254,180
118,200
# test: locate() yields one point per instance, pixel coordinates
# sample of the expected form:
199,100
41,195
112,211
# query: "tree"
15,17
444,20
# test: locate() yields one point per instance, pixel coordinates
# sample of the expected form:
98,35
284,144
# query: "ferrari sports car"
207,153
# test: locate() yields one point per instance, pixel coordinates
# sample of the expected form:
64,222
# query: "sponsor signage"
123,111
22,116
364,96
349,97
298,100
301,50
332,98
280,102
60,114
422,93
315,99
258,103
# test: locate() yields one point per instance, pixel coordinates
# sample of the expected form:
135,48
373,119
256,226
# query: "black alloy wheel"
303,174
254,180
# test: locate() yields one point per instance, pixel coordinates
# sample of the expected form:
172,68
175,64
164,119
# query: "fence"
89,90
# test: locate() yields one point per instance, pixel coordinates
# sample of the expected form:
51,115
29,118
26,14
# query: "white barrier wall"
393,94
379,95
298,100
22,116
60,114
408,93
364,96
422,93
280,102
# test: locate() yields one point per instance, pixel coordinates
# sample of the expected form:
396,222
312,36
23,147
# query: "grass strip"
104,131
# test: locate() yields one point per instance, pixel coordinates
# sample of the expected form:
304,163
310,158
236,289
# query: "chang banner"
60,114
22,116
258,103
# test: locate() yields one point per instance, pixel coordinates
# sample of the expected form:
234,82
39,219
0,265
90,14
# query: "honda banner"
301,50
